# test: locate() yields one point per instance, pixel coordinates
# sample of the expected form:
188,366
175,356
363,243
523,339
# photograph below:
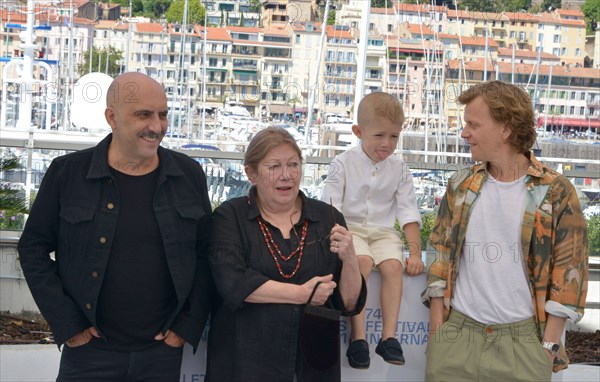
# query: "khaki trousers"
463,349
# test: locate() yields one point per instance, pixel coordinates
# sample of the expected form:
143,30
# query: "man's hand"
83,337
414,265
551,356
171,338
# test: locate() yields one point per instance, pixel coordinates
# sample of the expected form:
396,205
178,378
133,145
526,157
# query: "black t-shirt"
137,294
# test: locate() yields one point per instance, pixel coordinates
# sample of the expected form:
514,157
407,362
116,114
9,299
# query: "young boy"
373,188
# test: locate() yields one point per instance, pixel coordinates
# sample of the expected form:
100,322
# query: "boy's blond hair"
380,105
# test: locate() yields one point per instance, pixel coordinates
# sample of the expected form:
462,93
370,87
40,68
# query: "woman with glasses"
271,253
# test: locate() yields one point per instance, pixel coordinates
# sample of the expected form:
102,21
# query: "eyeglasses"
275,169
324,237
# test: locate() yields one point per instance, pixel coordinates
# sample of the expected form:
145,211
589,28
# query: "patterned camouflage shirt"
554,242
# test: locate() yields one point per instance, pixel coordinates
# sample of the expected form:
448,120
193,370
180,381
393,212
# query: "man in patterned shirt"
512,252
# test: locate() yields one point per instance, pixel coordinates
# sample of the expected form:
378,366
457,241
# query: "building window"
572,110
577,52
297,39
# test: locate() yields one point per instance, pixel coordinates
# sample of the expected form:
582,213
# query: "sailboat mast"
548,96
27,71
362,55
313,90
203,111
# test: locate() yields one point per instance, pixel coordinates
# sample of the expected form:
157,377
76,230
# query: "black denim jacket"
75,215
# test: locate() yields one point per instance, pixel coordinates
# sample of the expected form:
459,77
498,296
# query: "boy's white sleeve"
335,184
408,211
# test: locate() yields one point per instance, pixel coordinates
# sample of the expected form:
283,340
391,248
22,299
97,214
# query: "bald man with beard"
127,221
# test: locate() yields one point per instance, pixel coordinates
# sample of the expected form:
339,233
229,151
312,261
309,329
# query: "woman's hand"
323,292
341,243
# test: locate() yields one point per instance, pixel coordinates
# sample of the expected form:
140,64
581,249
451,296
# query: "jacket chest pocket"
77,233
77,220
187,218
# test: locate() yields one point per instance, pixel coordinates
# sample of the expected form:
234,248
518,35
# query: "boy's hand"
414,265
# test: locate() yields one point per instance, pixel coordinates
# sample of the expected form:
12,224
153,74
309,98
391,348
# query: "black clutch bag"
320,335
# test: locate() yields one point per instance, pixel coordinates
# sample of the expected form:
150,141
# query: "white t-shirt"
491,285
371,193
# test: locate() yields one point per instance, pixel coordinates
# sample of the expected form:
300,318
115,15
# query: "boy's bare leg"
391,295
357,329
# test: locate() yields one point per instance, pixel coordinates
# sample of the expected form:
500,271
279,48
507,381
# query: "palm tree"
11,201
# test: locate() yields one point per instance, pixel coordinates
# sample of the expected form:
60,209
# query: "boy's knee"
391,267
365,264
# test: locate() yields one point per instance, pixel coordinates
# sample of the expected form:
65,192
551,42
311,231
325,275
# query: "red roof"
274,32
527,69
389,11
423,8
332,32
479,41
522,53
418,28
521,16
447,36
243,29
149,27
570,12
215,34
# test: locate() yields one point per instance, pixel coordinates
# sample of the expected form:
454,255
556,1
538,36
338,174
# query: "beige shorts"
379,243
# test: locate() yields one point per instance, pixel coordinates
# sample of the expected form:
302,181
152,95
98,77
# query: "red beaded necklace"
268,237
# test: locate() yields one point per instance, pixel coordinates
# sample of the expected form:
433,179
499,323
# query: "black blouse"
260,342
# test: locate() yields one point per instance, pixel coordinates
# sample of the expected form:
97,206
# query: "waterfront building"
218,66
230,12
276,87
563,34
571,103
246,55
271,70
305,52
338,71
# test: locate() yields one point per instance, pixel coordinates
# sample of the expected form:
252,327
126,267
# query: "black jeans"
158,363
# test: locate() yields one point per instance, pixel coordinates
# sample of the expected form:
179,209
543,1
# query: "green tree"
514,5
157,7
99,61
195,12
427,222
12,201
591,11
593,226
495,6
555,4
479,5
382,3
331,17
255,6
